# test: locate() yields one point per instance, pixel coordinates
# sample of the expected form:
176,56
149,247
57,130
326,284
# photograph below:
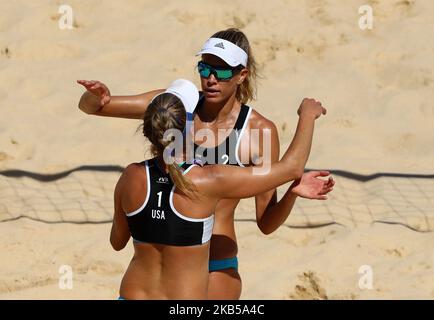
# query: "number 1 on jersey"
160,194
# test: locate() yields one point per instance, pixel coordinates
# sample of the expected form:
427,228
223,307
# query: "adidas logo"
220,45
163,180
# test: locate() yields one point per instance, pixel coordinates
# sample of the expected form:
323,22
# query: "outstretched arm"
266,202
97,100
270,213
308,186
232,182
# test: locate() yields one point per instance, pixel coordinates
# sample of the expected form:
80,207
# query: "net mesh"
85,195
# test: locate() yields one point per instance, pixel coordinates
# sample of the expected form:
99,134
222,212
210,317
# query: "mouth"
211,92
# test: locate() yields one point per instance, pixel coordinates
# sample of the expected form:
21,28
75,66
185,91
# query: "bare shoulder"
268,130
133,177
202,175
134,170
258,121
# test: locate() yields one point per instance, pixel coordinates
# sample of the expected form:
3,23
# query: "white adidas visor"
225,50
187,92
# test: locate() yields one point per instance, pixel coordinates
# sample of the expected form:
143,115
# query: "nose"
212,79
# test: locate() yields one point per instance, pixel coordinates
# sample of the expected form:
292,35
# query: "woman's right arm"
98,101
222,181
120,232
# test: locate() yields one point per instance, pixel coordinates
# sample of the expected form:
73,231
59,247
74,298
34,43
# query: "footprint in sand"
313,48
317,12
397,9
106,267
345,296
344,39
267,49
396,252
345,123
241,22
403,76
98,267
309,288
6,52
27,282
422,264
406,7
184,17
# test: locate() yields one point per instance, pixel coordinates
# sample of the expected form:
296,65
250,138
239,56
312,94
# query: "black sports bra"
227,151
158,221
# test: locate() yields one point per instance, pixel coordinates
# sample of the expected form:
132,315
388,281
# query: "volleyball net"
85,195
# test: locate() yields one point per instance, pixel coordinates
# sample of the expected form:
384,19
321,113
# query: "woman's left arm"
270,213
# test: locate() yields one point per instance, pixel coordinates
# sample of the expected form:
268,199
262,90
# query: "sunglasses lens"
204,71
224,74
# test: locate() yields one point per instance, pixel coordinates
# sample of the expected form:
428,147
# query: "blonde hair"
166,112
246,91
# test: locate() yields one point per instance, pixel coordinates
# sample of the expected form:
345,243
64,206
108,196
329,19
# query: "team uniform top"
227,151
158,221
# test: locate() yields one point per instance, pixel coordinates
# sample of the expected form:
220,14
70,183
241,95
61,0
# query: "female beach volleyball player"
228,73
168,207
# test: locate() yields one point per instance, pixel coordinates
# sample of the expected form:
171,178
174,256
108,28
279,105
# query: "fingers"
325,191
330,182
87,84
321,173
82,82
97,85
328,186
105,100
323,110
322,198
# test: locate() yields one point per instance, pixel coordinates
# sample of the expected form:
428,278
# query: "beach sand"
293,264
377,86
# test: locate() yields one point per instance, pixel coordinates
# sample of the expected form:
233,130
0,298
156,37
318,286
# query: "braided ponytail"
164,113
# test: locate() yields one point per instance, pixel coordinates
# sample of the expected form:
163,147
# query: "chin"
213,98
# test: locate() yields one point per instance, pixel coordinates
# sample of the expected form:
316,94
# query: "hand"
309,186
97,88
311,107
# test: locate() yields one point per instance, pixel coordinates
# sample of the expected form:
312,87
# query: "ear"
242,75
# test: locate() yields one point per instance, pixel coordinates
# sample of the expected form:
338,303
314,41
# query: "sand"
376,84
294,264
